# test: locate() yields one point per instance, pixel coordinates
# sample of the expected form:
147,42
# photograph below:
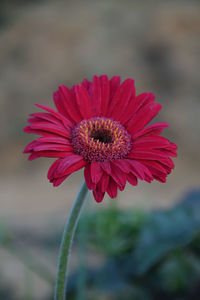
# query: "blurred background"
44,44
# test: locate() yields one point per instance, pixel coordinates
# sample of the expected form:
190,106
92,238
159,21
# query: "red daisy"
102,126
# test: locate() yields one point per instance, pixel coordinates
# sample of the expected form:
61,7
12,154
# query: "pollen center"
102,136
101,139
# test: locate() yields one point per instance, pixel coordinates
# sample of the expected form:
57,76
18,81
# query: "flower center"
101,139
102,136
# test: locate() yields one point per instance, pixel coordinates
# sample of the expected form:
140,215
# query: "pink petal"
155,166
132,179
54,139
135,104
88,179
170,150
86,83
33,156
96,171
121,99
103,184
69,165
98,195
64,120
97,97
123,164
50,174
27,129
48,127
118,176
84,102
151,142
167,162
30,147
51,153
140,170
54,147
161,178
112,189
70,103
106,167
151,154
105,93
44,116
58,181
58,101
143,117
114,85
154,129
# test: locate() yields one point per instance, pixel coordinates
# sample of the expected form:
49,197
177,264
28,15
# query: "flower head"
102,126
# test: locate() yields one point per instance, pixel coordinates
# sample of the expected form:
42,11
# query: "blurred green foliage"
112,230
146,256
138,255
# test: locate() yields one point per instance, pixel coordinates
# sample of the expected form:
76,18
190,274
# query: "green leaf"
165,231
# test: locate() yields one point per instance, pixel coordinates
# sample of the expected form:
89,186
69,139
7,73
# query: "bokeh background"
47,43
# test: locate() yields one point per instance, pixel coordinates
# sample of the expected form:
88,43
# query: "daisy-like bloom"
102,126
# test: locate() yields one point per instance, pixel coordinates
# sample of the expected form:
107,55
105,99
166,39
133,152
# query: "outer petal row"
101,97
63,167
55,130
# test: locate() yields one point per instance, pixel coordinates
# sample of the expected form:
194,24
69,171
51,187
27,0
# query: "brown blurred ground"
47,43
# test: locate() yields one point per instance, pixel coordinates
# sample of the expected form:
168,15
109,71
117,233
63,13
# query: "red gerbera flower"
102,126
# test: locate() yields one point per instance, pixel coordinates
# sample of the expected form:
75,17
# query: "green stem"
66,242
